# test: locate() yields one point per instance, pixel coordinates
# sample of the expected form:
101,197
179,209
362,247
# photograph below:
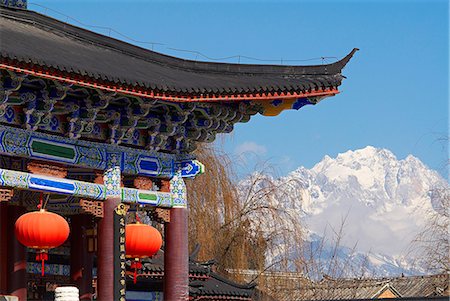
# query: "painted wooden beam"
24,180
189,168
35,145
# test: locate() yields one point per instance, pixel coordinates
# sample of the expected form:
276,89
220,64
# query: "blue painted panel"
300,103
277,102
190,168
149,166
40,183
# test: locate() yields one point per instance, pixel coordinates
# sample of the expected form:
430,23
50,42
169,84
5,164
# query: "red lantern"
141,241
42,230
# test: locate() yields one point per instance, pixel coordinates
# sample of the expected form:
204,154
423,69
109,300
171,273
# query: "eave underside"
73,111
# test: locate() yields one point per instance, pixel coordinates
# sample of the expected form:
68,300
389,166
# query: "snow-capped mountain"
381,202
384,200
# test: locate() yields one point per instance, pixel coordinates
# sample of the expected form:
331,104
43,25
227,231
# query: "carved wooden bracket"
143,183
158,214
162,215
98,178
6,194
92,207
48,169
165,185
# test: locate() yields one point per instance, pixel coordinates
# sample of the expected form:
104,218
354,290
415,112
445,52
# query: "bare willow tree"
253,228
327,257
245,225
432,245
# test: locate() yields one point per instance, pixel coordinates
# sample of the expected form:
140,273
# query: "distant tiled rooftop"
351,289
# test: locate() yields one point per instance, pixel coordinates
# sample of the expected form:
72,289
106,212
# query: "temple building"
92,127
429,287
204,283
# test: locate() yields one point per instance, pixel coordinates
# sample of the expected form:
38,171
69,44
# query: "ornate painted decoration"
52,148
79,113
92,207
35,182
14,3
112,175
178,190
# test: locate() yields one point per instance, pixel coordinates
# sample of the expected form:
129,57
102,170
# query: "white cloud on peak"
250,147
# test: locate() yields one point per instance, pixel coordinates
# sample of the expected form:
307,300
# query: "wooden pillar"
81,261
17,261
176,257
105,254
5,197
105,251
3,247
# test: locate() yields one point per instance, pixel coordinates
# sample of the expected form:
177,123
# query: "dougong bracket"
92,207
162,215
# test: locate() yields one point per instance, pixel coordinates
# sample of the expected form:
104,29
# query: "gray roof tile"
29,36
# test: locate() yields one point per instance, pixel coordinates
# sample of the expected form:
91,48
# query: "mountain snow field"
381,201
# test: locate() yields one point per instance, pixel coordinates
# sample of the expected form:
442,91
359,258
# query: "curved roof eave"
34,43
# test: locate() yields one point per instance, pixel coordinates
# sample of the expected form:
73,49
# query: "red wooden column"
176,257
105,247
105,254
81,261
17,261
3,247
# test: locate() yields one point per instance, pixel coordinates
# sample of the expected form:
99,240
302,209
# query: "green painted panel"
148,197
52,149
13,100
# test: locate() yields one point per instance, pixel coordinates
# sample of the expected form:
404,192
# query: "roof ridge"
232,283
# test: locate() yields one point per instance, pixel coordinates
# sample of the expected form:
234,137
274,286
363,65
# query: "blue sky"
395,95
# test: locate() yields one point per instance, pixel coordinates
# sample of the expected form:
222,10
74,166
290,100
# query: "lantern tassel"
40,205
138,219
42,256
136,265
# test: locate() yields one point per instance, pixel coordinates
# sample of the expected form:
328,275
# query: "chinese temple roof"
217,285
67,81
204,283
355,289
48,46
